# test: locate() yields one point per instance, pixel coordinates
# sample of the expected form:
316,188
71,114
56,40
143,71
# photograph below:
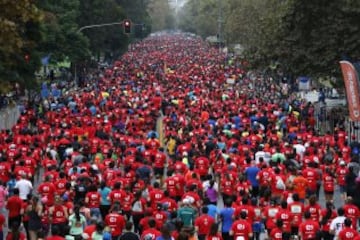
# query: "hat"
342,163
106,236
186,201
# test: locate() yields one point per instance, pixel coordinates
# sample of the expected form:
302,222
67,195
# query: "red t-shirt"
347,234
59,214
90,229
2,221
48,190
250,212
286,216
151,232
314,211
14,205
216,237
116,222
352,212
297,210
22,237
308,229
204,223
93,199
276,234
241,228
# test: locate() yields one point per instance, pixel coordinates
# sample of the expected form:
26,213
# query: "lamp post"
88,27
220,22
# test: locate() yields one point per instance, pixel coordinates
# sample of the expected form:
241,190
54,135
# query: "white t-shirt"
337,224
265,155
25,187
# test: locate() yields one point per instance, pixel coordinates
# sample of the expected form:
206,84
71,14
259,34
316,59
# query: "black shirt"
129,236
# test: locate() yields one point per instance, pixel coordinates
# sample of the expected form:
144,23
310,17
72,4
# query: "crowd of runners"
176,142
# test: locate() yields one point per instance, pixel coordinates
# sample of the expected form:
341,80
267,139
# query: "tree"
19,32
200,17
162,16
61,38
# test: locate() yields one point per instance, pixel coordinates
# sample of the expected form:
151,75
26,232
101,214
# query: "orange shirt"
300,183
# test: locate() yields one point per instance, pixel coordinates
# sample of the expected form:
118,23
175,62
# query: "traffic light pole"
99,25
88,27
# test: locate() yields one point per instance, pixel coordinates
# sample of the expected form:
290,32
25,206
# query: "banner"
352,89
304,83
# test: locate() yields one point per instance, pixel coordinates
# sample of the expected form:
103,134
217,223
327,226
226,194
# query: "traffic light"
127,26
27,58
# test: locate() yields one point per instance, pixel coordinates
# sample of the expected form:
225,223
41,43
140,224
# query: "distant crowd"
173,143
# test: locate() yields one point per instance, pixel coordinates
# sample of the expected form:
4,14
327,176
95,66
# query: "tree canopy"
306,37
32,30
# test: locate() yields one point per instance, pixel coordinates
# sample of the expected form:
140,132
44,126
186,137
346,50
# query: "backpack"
137,206
280,184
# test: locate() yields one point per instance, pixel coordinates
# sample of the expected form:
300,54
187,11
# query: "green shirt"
76,227
187,215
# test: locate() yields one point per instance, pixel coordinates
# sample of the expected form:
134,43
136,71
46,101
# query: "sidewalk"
8,117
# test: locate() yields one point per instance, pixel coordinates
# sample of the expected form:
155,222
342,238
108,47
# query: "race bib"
296,209
273,212
240,238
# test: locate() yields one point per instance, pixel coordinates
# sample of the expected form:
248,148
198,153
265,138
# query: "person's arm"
65,212
332,227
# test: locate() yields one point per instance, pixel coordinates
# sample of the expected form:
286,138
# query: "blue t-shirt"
227,221
104,193
213,210
251,173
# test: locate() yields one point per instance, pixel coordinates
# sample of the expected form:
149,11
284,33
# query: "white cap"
186,201
342,162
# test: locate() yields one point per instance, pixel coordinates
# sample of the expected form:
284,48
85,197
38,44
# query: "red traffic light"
127,26
27,58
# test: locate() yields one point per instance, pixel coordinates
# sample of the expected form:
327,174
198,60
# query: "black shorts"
13,220
159,172
329,192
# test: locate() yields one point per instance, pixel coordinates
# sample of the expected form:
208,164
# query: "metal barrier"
329,117
9,117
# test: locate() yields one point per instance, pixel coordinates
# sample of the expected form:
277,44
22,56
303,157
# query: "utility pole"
220,22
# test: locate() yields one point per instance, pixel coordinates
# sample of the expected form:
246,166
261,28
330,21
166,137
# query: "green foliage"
19,34
304,36
200,17
162,17
59,29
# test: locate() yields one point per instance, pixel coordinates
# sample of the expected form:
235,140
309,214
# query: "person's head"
58,199
347,222
307,215
165,232
284,204
128,226
312,200
183,236
340,211
205,210
228,202
55,231
152,223
156,185
100,227
296,197
16,191
279,223
243,215
117,185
